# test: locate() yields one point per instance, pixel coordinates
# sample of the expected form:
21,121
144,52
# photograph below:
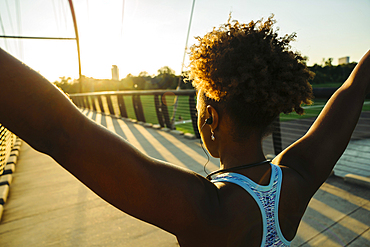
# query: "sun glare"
146,35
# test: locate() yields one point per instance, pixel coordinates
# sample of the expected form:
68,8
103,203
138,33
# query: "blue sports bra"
267,198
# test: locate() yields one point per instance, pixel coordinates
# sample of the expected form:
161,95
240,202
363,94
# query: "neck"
233,169
234,154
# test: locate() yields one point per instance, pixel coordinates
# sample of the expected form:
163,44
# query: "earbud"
209,120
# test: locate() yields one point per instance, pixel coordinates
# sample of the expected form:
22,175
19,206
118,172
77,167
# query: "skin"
180,201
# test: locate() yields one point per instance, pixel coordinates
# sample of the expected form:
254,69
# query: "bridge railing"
7,140
157,107
148,106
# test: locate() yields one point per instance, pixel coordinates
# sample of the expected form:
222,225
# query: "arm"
148,189
316,153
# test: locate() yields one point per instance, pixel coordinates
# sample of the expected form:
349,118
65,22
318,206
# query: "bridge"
49,207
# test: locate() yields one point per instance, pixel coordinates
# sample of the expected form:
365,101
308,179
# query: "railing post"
87,102
93,103
76,101
7,139
2,149
165,111
138,107
121,105
193,115
158,109
82,100
101,104
276,136
110,105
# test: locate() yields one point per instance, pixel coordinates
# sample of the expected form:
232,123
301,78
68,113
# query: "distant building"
115,74
343,60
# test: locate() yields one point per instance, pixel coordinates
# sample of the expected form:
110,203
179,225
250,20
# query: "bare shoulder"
295,195
297,178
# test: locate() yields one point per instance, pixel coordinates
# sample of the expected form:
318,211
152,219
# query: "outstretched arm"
151,190
316,153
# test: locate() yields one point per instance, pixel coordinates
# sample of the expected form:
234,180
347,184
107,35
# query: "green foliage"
67,85
139,83
331,74
165,79
144,74
326,85
185,82
165,70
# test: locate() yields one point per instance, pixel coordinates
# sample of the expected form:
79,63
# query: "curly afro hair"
251,71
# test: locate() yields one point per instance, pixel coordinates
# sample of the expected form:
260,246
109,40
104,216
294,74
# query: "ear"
211,112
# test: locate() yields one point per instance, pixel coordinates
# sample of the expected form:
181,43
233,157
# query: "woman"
245,76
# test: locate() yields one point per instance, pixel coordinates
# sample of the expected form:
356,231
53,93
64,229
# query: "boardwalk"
49,207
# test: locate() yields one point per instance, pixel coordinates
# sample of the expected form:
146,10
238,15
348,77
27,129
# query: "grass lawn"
310,111
147,101
314,110
333,84
186,128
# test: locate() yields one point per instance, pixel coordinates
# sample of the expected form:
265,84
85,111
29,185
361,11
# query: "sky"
145,35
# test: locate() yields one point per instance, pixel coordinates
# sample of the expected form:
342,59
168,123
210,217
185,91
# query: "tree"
330,73
305,59
139,83
127,83
67,85
329,62
166,70
63,81
144,74
166,78
186,83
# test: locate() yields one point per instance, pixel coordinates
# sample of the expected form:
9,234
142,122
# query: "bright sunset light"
153,33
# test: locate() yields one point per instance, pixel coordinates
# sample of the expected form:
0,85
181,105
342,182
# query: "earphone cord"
204,166
204,150
209,176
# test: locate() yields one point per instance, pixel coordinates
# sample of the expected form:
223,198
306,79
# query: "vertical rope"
2,27
19,20
123,12
182,66
187,40
55,15
77,41
62,12
11,25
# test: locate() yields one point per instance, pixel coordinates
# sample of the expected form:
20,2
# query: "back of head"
251,72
